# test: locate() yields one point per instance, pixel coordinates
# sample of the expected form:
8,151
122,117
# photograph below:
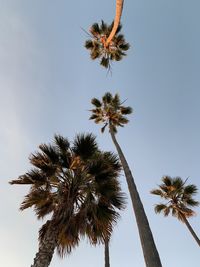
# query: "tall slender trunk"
106,254
150,252
191,230
46,248
118,13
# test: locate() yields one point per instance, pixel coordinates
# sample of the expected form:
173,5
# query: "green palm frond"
190,202
178,183
158,192
104,62
160,208
190,190
104,28
49,153
107,98
95,30
126,110
89,44
122,120
167,180
85,145
124,47
62,143
96,102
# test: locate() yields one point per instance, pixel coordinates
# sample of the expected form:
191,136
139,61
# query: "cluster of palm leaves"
99,48
179,199
110,112
77,185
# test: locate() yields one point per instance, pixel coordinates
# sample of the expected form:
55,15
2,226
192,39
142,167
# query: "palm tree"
112,113
99,48
179,199
77,185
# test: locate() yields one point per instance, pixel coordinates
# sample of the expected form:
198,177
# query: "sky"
46,83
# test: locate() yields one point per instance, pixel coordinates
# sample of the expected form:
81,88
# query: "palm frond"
89,44
96,102
85,145
104,62
190,190
95,30
160,208
167,180
126,110
158,192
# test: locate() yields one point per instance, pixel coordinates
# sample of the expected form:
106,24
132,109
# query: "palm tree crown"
179,198
110,111
106,51
77,185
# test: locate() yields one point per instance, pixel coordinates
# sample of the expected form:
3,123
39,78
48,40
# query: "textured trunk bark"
106,251
191,230
150,252
118,13
46,249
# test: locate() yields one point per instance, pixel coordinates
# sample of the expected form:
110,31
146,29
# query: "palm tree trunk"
106,253
150,252
191,230
118,13
46,249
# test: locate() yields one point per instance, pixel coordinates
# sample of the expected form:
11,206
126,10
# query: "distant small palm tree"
77,185
106,41
179,200
112,113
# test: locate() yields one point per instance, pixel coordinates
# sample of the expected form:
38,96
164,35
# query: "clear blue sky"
46,83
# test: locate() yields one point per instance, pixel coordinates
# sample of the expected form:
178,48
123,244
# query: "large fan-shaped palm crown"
178,196
110,111
77,184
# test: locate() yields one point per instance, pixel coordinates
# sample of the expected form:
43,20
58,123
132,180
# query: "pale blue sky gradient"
46,83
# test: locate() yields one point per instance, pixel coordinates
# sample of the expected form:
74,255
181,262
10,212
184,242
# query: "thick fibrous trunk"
107,258
191,230
150,252
119,8
46,249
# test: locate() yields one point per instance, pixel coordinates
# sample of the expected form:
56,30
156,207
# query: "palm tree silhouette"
106,42
77,185
112,113
179,199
